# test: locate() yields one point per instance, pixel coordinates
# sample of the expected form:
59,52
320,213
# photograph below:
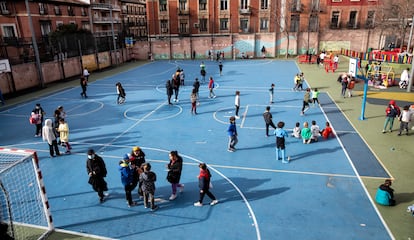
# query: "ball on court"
392,149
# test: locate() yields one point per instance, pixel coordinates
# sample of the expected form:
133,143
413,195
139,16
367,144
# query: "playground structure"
380,76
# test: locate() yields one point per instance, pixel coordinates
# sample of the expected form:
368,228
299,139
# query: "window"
183,27
71,11
335,19
244,25
224,5
244,4
370,19
84,12
182,4
202,4
203,25
57,11
296,6
45,28
313,23
42,9
4,9
264,4
264,24
86,25
224,24
8,30
163,5
294,23
164,26
315,5
59,23
352,19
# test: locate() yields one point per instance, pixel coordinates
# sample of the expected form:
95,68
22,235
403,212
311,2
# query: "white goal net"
24,209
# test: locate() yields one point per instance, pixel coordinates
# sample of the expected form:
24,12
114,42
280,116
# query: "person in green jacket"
306,133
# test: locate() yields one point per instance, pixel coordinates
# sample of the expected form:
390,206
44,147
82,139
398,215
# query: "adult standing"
86,74
221,67
169,90
268,118
196,86
175,167
404,79
211,86
176,84
84,84
37,114
344,86
96,169
49,136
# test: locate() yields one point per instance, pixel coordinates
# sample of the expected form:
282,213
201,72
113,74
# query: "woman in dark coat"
175,166
96,169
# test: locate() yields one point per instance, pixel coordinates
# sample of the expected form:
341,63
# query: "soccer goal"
24,209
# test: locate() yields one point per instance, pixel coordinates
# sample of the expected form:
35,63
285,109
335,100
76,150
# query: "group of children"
135,171
56,132
308,135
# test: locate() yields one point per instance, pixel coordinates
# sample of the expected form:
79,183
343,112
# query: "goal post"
24,208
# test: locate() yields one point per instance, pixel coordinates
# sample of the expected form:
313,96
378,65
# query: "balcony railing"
105,6
183,12
106,20
245,11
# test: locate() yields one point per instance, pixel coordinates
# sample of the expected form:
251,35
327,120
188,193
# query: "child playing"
315,94
232,132
315,131
306,133
63,130
127,178
204,185
405,118
237,103
193,98
271,92
327,131
296,130
280,141
121,93
148,179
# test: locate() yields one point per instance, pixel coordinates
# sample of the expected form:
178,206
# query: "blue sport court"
317,195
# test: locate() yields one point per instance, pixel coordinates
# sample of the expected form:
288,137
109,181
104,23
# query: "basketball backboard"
4,65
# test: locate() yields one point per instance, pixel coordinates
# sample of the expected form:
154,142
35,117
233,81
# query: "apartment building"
46,16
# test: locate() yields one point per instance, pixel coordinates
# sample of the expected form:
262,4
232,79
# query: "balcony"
106,20
12,41
105,6
245,11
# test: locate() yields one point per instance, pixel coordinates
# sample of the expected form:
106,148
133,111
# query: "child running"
121,93
315,94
